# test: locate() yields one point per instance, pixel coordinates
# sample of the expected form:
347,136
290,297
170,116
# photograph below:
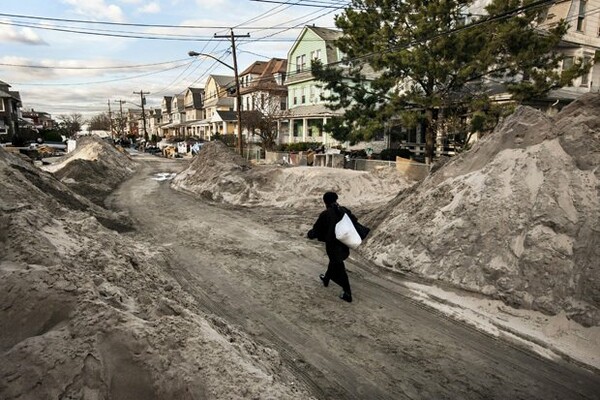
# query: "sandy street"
254,268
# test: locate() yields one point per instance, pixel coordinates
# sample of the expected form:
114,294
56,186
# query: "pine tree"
433,60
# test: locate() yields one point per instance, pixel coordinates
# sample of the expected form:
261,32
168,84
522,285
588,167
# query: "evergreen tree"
432,61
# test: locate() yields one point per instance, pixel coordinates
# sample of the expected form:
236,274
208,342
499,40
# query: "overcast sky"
161,66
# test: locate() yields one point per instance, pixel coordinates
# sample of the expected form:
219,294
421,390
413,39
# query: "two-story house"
177,116
262,89
154,120
219,106
307,113
166,123
40,119
194,114
10,104
581,41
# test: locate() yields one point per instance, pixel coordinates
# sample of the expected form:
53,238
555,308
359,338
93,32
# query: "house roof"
223,80
317,110
266,80
180,102
256,68
325,33
196,96
227,115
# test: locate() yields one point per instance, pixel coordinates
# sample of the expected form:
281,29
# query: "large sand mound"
86,313
516,217
217,173
94,169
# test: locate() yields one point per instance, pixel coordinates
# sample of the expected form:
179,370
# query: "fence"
409,169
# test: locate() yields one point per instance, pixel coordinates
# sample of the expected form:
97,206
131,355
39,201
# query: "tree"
100,122
430,63
70,124
262,121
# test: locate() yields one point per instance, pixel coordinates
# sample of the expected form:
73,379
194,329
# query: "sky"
58,69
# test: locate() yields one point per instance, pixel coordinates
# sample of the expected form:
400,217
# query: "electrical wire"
81,21
93,68
105,81
105,33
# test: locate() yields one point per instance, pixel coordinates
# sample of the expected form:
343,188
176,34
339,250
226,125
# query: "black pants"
336,271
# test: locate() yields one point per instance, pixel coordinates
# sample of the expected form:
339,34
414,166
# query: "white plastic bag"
346,233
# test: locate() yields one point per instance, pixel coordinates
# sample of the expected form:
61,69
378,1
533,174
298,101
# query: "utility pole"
143,101
238,96
112,134
121,121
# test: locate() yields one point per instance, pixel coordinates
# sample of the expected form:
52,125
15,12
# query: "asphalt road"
255,269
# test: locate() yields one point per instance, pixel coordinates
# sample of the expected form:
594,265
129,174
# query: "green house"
307,113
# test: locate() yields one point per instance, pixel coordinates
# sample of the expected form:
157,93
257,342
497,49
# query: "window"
262,100
585,78
247,103
303,95
581,15
318,54
301,63
1,105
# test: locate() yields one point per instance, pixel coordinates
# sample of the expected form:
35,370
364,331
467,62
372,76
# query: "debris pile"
88,313
218,174
94,169
517,217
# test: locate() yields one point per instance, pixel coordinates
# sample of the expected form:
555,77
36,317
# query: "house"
219,105
194,113
581,41
132,118
41,120
154,120
262,89
10,104
166,123
307,113
177,116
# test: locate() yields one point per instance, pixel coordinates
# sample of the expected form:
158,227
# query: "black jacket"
324,231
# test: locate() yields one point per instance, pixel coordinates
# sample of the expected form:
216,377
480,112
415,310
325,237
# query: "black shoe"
324,280
346,297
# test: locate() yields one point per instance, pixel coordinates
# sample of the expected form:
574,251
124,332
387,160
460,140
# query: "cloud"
210,4
24,35
97,9
150,8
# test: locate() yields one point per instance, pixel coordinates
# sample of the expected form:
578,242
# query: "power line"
82,21
106,81
105,33
313,3
93,68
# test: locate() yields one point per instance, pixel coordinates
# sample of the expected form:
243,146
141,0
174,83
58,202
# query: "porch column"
225,128
291,130
304,128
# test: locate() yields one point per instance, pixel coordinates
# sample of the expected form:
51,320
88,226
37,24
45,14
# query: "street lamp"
237,93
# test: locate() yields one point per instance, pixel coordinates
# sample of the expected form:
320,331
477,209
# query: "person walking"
324,231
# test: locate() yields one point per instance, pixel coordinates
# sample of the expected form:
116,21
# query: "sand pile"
217,173
94,169
517,217
87,313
